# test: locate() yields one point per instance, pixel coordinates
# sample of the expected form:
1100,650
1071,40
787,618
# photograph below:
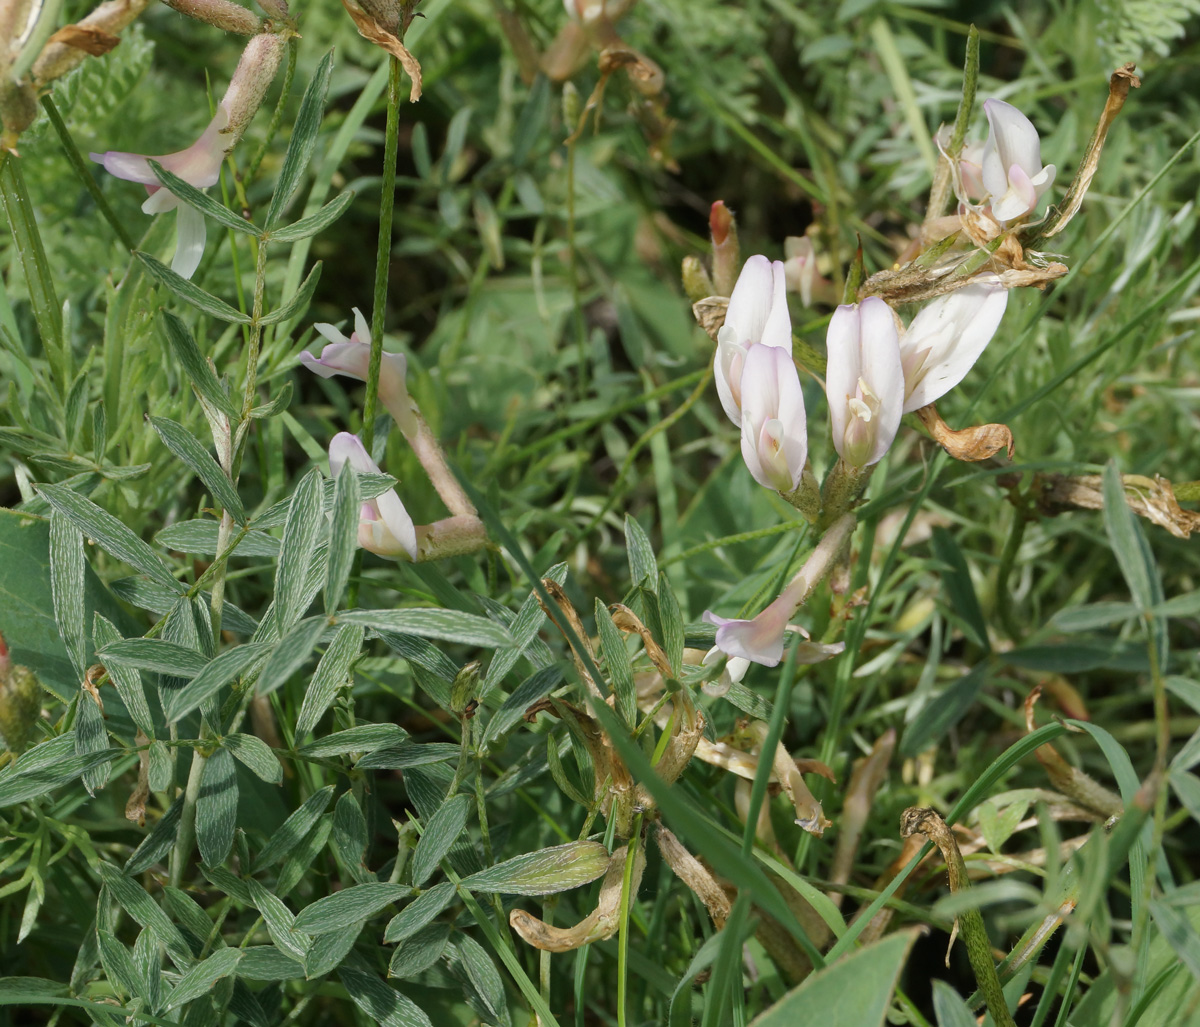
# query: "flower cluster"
877,370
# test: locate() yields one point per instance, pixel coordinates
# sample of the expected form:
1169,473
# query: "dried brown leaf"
135,808
969,444
93,41
1152,498
372,31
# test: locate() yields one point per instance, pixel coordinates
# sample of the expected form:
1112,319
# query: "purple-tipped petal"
385,526
774,430
759,640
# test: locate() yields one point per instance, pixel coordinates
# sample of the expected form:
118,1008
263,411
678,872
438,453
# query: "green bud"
696,282
463,689
20,703
570,105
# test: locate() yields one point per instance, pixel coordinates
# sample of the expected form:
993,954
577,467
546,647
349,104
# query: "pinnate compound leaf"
214,676
109,533
544,872
348,906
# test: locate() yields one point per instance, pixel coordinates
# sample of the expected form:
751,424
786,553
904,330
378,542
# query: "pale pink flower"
1011,166
774,435
864,380
757,313
384,525
352,356
760,640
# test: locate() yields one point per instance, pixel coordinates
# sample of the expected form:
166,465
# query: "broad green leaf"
430,622
290,654
544,872
961,601
306,517
66,587
853,992
295,306
216,808
420,951
441,831
190,292
314,223
214,676
364,738
418,913
189,449
155,654
343,536
110,534
204,203
294,829
257,755
643,568
201,977
383,1004
304,139
195,366
349,906
332,674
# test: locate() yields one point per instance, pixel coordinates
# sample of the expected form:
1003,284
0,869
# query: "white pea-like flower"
1011,165
384,525
757,314
774,431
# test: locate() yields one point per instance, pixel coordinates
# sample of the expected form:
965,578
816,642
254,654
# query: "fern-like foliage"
1130,28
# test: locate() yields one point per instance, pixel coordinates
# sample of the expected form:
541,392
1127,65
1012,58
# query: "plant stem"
75,159
383,253
187,820
627,887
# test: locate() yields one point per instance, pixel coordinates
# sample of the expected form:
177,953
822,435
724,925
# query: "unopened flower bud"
276,9
20,703
570,104
18,109
465,684
726,260
223,14
58,56
696,282
254,75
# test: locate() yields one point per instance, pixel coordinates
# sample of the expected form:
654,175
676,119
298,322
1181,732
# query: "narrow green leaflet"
294,829
961,600
314,223
133,898
195,366
200,536
267,963
304,139
1129,542
524,630
257,755
349,838
156,654
343,536
281,923
940,714
430,622
189,449
19,786
126,680
1180,934
381,1003
441,831
214,676
538,685
109,534
950,1008
856,990
483,975
419,951
672,624
118,965
201,977
328,951
91,737
331,674
191,293
643,568
67,587
364,738
349,906
299,302
158,842
306,517
216,808
544,872
204,203
290,653
418,913
617,663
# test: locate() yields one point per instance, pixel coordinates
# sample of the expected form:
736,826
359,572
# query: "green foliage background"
554,353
